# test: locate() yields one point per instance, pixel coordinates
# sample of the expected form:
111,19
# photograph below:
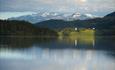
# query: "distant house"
93,28
76,29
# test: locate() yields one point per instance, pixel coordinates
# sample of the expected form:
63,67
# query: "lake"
63,53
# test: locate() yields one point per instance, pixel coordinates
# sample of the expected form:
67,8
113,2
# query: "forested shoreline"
23,28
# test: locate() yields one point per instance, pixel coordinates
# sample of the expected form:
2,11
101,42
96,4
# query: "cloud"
57,5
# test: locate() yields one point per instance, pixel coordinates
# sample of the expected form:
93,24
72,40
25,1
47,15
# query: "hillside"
23,28
104,26
111,15
61,24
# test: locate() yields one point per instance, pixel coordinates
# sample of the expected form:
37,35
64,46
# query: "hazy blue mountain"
34,18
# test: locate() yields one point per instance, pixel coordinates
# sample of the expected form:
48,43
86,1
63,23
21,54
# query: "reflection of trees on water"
105,42
22,42
90,42
82,42
79,41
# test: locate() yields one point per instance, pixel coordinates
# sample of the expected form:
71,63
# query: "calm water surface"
67,53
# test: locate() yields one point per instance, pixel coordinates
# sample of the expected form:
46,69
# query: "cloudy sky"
97,7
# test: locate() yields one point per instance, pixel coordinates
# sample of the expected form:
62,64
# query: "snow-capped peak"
79,16
90,15
76,15
46,14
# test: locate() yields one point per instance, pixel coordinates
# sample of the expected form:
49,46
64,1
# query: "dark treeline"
61,24
23,28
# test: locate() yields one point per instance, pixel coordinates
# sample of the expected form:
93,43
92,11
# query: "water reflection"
107,43
63,59
83,42
66,53
23,42
79,41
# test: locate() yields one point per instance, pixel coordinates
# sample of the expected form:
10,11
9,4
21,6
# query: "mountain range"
107,22
39,17
103,26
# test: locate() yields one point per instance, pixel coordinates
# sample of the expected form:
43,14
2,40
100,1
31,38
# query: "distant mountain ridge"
99,23
111,15
61,24
39,17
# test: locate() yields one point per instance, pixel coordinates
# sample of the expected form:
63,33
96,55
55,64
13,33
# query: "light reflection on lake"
83,53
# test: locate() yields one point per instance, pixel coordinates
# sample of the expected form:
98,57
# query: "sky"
24,7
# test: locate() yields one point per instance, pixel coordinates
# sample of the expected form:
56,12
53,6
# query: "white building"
76,29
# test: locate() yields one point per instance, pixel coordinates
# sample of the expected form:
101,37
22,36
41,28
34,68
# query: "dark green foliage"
106,25
61,24
23,28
